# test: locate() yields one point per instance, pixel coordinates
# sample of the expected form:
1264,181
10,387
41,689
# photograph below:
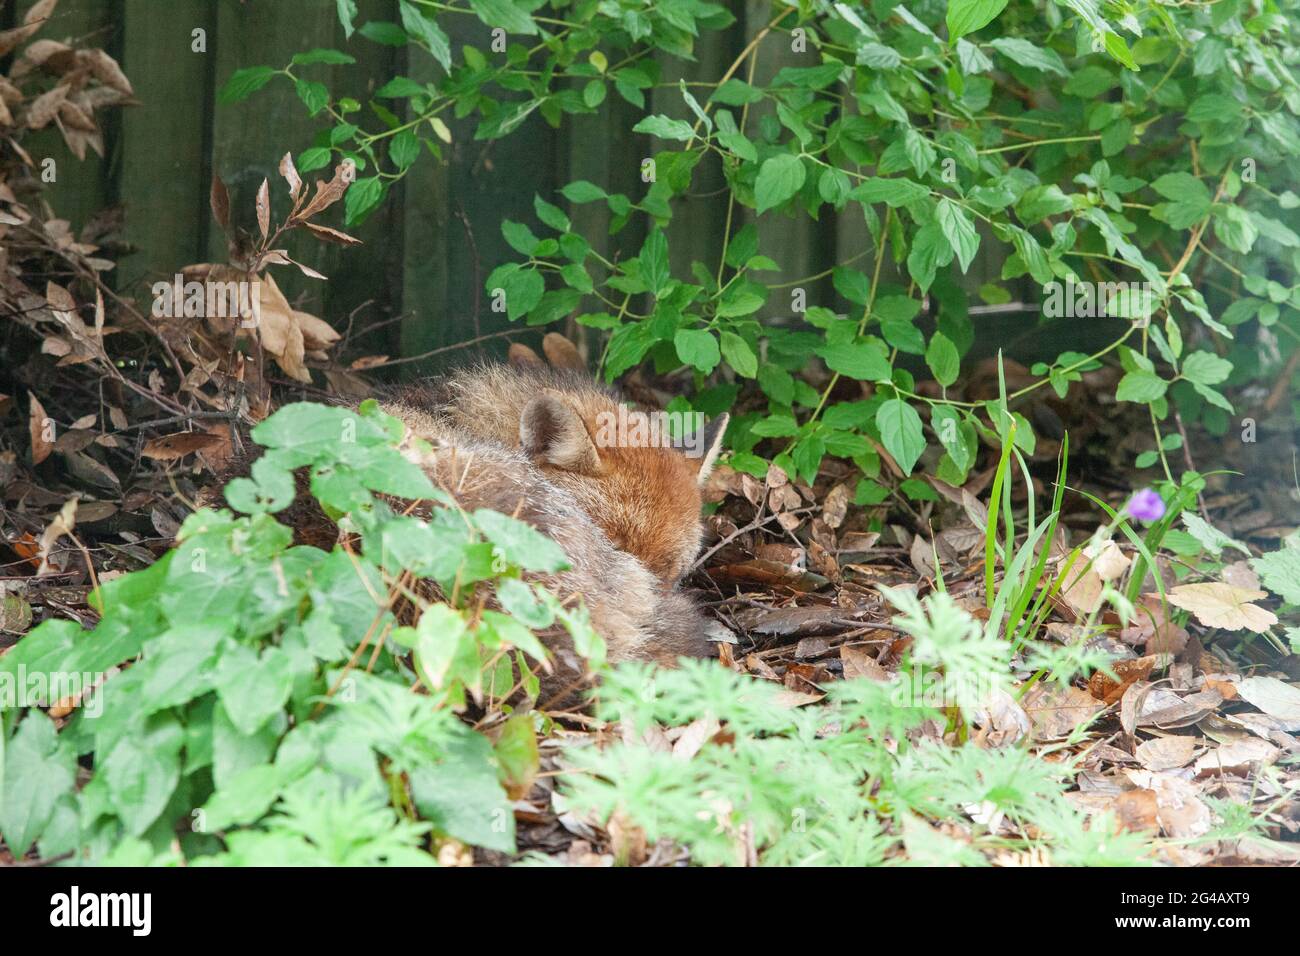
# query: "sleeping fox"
532,441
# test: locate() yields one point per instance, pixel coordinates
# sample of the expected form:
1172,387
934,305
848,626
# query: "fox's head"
643,491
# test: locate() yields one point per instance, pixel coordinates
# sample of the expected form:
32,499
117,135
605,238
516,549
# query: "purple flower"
1145,505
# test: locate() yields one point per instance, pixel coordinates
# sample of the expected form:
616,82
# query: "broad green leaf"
779,178
901,432
967,16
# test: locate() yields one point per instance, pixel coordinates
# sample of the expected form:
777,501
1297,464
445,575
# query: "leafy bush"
1140,158
265,677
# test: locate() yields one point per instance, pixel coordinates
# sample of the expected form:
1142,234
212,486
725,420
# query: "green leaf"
1206,368
739,355
520,543
1183,187
864,361
361,198
930,249
1141,387
901,432
461,794
142,770
505,14
950,429
1210,537
581,191
1280,572
959,231
37,771
654,261
520,237
180,665
967,16
697,348
896,192
779,178
244,83
404,149
313,159
426,30
1028,54
253,688
665,127
942,357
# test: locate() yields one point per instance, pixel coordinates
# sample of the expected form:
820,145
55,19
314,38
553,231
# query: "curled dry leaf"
331,235
219,200
264,209
173,447
39,426
328,193
290,173
35,18
1109,689
46,106
1166,753
1220,605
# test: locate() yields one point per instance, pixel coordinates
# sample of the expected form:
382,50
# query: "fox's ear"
562,353
713,433
552,433
521,356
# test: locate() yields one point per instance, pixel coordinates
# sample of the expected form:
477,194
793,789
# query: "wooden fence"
429,248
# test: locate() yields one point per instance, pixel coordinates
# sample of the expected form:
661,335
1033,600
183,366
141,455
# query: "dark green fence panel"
429,248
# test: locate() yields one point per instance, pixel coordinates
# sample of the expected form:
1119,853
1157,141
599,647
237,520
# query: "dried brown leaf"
40,428
264,209
290,173
219,201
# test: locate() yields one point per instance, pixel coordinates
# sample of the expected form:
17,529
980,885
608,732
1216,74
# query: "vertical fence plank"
454,215
369,273
162,181
699,220
799,245
248,138
601,148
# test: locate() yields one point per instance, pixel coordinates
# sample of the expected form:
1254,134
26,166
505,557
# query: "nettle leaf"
865,361
1029,54
505,14
901,432
779,178
967,16
959,231
697,348
894,191
521,543
1206,368
424,29
244,83
955,435
654,262
738,354
1141,386
930,250
665,127
943,359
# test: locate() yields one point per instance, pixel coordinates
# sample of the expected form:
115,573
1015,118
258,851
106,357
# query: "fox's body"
640,615
522,441
645,497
